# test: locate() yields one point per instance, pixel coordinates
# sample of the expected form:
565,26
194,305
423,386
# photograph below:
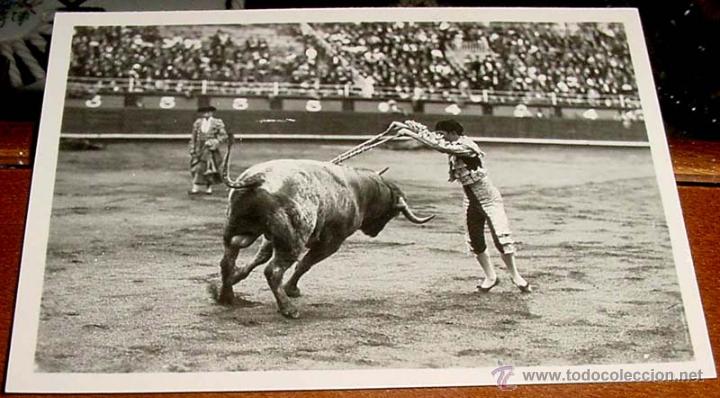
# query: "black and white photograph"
351,198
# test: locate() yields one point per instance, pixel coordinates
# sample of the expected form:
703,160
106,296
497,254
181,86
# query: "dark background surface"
682,38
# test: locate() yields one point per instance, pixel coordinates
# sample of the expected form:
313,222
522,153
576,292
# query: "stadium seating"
406,60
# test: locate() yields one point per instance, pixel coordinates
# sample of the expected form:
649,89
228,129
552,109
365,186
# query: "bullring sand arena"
131,256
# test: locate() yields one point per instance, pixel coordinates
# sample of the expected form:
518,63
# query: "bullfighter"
483,202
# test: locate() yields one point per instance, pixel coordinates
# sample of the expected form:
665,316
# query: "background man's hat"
208,108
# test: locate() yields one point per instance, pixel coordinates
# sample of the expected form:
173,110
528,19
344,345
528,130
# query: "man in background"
205,160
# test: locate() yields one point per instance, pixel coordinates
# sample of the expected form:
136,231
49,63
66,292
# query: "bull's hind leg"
317,253
261,257
232,275
274,272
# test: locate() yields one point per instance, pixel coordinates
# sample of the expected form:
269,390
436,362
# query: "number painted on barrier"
94,102
313,106
167,102
453,109
240,104
521,110
590,114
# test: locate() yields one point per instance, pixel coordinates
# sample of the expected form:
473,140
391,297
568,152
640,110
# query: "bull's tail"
226,169
248,183
226,163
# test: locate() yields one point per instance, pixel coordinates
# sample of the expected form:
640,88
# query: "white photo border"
21,371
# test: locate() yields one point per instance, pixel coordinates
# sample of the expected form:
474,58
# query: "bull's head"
392,204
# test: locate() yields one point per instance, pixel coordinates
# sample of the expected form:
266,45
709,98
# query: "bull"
303,210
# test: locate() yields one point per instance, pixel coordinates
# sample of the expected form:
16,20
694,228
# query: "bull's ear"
381,172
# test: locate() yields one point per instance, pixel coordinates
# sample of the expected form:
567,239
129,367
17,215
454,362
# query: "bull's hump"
279,174
274,166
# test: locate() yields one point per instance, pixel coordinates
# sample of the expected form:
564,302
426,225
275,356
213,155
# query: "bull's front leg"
232,275
227,266
317,253
274,272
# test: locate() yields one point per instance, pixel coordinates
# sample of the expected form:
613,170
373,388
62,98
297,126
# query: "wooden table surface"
697,172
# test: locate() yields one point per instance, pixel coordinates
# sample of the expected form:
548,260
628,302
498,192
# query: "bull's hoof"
226,297
214,292
292,291
290,312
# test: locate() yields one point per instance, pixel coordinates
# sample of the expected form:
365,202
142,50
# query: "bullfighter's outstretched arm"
432,139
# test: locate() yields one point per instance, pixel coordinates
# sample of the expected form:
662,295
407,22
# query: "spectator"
403,59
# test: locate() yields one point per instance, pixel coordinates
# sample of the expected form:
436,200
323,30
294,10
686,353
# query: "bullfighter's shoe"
525,288
485,289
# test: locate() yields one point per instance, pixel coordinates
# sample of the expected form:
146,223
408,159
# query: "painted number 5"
313,106
240,104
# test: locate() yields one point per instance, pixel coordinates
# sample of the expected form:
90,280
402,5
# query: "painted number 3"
167,102
94,102
240,104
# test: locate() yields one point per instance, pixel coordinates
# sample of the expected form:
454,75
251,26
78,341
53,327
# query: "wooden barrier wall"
157,114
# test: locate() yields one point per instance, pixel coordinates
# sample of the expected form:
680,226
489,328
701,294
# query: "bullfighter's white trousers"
484,204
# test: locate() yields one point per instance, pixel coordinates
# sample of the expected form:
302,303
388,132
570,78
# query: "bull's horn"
381,172
226,169
403,206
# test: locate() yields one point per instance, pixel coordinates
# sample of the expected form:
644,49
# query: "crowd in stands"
588,58
409,59
143,53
